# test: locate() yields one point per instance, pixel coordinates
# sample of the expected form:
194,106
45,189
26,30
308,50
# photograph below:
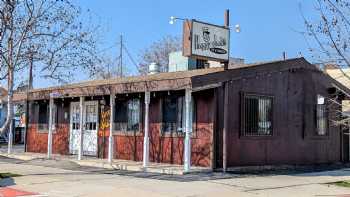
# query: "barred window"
321,116
127,115
257,115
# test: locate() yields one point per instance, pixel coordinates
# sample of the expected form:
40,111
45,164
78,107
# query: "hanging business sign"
206,41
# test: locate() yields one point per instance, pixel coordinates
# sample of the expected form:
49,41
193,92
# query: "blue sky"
268,27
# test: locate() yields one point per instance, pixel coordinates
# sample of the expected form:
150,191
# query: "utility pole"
226,104
30,80
29,87
121,56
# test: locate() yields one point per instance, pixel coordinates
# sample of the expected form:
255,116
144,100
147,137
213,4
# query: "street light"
173,19
238,28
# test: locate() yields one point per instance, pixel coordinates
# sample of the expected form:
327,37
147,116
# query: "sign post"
208,42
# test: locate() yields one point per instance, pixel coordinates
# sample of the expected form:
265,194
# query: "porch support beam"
81,128
110,138
49,137
146,131
187,143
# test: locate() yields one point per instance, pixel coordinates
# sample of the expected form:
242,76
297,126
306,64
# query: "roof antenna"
284,54
300,55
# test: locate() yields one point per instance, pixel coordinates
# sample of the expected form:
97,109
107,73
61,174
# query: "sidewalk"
58,182
117,164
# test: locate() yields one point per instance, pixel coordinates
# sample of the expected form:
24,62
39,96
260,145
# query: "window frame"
325,115
243,132
176,122
177,131
44,127
126,100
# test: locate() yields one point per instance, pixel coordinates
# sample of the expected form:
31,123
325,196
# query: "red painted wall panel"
129,146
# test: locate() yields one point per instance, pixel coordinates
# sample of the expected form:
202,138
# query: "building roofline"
160,81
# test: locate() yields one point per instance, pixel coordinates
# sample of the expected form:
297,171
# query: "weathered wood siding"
293,141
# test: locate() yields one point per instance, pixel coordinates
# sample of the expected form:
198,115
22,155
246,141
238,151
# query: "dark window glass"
257,115
43,118
120,111
43,113
173,113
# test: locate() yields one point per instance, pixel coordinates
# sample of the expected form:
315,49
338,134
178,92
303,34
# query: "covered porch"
150,122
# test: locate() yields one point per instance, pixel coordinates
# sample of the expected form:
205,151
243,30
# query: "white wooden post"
81,127
146,129
49,137
110,138
187,143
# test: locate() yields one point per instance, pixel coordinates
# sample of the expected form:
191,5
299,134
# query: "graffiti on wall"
105,119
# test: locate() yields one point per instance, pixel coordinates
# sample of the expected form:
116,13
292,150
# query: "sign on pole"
206,41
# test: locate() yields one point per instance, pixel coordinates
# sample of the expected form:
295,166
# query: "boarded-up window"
257,115
321,116
127,115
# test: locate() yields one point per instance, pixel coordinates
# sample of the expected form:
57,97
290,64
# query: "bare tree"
48,33
158,52
329,32
328,37
106,69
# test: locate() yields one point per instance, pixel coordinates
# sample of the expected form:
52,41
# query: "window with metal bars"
321,117
257,114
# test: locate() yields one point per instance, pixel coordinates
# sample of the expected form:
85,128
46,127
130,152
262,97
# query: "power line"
121,56
108,48
131,58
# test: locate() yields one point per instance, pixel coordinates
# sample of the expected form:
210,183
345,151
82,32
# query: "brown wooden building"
260,114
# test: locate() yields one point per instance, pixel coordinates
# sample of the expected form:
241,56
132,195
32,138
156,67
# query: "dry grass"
8,175
342,183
